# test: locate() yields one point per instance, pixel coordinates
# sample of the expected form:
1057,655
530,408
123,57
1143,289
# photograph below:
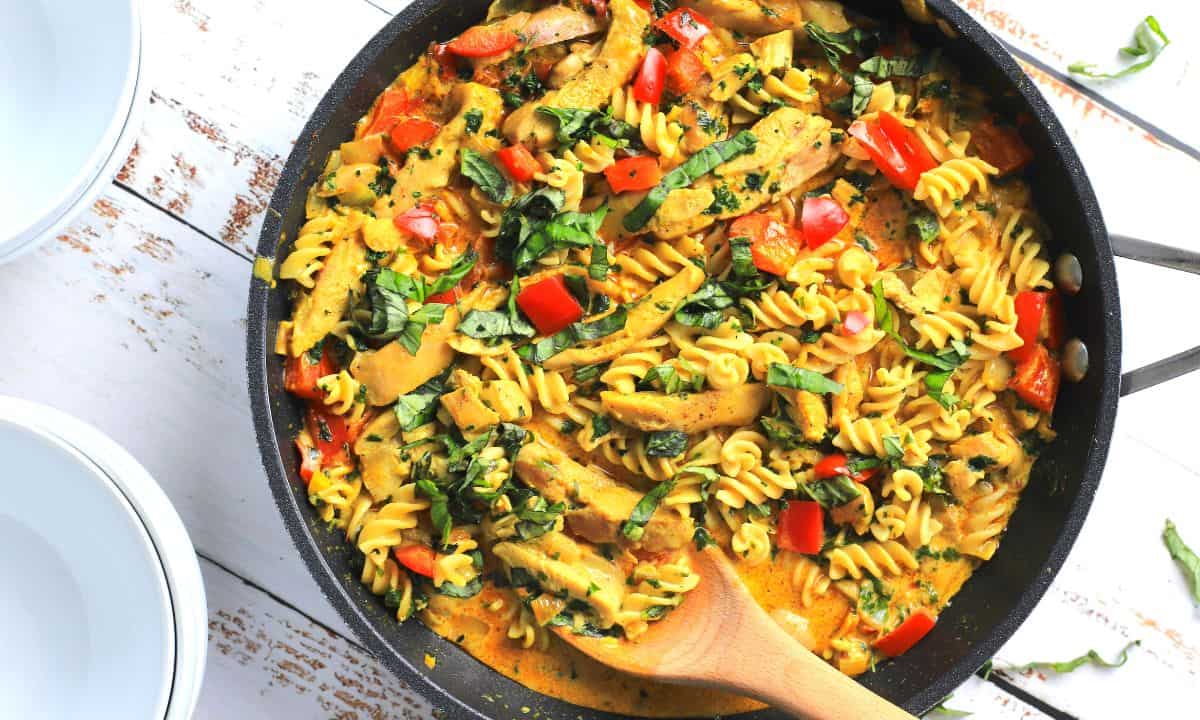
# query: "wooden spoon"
720,638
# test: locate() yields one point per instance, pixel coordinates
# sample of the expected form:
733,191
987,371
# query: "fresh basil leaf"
933,480
577,332
925,223
383,311
1091,657
703,307
460,456
525,217
703,162
702,537
588,373
473,119
790,376
909,67
667,379
745,278
666,443
1188,561
568,229
511,437
486,176
1149,42
941,709
418,407
429,313
837,490
535,516
573,123
494,324
454,275
598,267
854,41
892,446
786,434
934,382
601,426
439,504
462,592
885,319
635,527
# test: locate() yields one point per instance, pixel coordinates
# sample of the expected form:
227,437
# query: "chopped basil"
666,443
783,432
703,162
454,275
702,537
575,124
577,332
418,407
601,426
745,278
885,319
474,120
427,314
1188,561
941,709
1149,42
667,379
635,527
439,504
511,437
587,373
383,310
873,599
568,229
536,517
854,41
925,223
486,176
526,216
934,382
1091,657
790,376
462,592
723,201
837,490
703,307
494,324
598,267
910,67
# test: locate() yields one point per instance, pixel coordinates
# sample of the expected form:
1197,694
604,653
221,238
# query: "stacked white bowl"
102,608
71,86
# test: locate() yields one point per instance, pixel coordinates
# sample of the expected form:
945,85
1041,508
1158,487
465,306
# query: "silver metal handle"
1175,259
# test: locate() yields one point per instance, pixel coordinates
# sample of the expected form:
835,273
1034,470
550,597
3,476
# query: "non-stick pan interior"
991,605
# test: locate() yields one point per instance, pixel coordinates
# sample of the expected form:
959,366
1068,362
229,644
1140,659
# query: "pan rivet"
1075,359
1068,274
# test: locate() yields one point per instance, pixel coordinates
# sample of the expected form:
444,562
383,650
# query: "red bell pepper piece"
549,305
599,7
1001,146
1037,378
897,153
773,245
405,135
684,70
420,222
685,26
392,106
854,322
1031,308
310,459
908,633
802,527
821,218
449,297
633,173
1056,321
519,162
331,434
648,87
418,558
831,466
482,41
300,375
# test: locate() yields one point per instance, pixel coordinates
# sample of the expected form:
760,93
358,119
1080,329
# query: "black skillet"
998,596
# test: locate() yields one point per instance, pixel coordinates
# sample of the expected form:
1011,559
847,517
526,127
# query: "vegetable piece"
1146,45
1001,146
301,374
802,527
909,632
648,87
855,322
418,558
486,176
519,162
448,297
549,305
576,332
831,466
1055,322
790,376
774,246
633,174
482,41
703,162
635,527
684,70
1188,561
331,434
310,459
666,443
1036,380
1031,308
832,492
392,105
428,314
420,222
703,307
821,219
897,153
1090,657
408,134
685,25
418,407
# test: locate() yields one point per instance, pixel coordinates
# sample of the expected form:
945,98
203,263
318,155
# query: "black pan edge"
455,678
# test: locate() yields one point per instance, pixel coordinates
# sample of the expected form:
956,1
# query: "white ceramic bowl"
102,604
69,82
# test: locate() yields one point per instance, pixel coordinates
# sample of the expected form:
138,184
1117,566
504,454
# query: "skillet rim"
259,344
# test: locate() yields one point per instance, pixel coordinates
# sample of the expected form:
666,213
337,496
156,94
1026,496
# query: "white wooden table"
134,320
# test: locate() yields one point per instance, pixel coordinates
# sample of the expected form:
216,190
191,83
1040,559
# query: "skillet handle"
1175,259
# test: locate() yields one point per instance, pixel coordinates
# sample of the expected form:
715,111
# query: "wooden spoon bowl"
720,638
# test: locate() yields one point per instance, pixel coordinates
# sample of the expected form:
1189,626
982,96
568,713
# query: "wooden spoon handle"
784,674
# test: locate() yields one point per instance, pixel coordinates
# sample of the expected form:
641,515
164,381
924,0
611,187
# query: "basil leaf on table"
1188,561
1149,42
1091,657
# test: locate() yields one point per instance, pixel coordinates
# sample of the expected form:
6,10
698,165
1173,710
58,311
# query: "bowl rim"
259,345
